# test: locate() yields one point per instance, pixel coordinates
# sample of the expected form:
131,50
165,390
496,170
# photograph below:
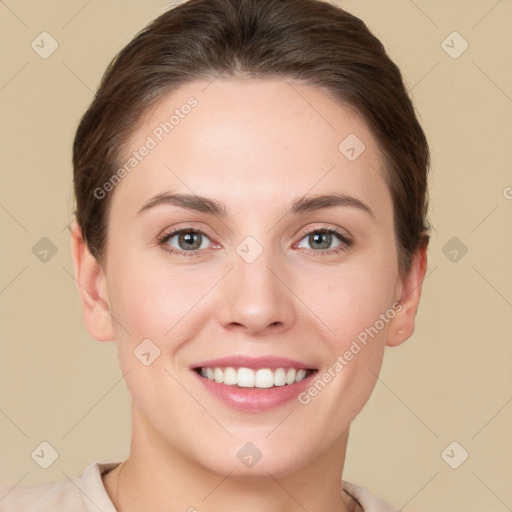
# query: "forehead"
251,140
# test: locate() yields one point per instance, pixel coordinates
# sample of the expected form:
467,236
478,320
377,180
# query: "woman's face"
283,256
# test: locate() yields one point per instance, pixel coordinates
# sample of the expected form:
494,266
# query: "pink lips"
253,399
253,362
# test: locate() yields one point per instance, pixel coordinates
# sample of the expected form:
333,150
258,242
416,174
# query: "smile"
261,378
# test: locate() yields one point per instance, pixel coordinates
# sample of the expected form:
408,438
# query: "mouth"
254,384
254,378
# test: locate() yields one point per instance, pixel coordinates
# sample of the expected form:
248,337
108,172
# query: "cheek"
350,298
357,308
356,302
154,308
151,301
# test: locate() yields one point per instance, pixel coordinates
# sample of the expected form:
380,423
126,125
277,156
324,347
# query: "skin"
255,145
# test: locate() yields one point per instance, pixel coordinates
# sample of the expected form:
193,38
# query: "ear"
91,283
401,326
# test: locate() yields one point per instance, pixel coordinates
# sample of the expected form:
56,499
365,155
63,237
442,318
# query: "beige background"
451,382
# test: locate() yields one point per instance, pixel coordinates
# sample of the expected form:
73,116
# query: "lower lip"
255,399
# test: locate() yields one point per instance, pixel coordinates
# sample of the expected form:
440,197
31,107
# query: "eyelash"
346,242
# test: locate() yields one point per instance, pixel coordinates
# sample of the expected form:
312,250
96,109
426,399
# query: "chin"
256,460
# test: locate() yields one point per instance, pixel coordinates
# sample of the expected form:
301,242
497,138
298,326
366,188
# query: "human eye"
184,241
325,241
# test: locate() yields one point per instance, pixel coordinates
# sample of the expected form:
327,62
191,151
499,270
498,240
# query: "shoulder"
76,494
368,501
60,495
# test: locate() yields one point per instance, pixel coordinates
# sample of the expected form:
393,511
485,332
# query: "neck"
158,477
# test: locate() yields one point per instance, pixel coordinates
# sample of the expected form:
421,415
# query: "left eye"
187,240
322,240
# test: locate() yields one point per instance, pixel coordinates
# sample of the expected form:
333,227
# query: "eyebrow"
298,206
187,201
312,203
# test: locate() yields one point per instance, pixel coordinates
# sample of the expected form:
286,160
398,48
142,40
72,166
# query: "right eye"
184,241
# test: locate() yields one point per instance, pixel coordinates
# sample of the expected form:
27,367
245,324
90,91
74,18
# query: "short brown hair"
311,41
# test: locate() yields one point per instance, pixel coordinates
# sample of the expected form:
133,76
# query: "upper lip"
253,362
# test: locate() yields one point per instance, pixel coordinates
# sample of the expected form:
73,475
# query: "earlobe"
91,284
402,326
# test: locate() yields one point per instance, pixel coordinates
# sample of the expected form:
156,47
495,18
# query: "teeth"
300,375
262,378
279,377
244,377
218,375
230,376
290,376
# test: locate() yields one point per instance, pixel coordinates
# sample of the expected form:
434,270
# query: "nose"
254,298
